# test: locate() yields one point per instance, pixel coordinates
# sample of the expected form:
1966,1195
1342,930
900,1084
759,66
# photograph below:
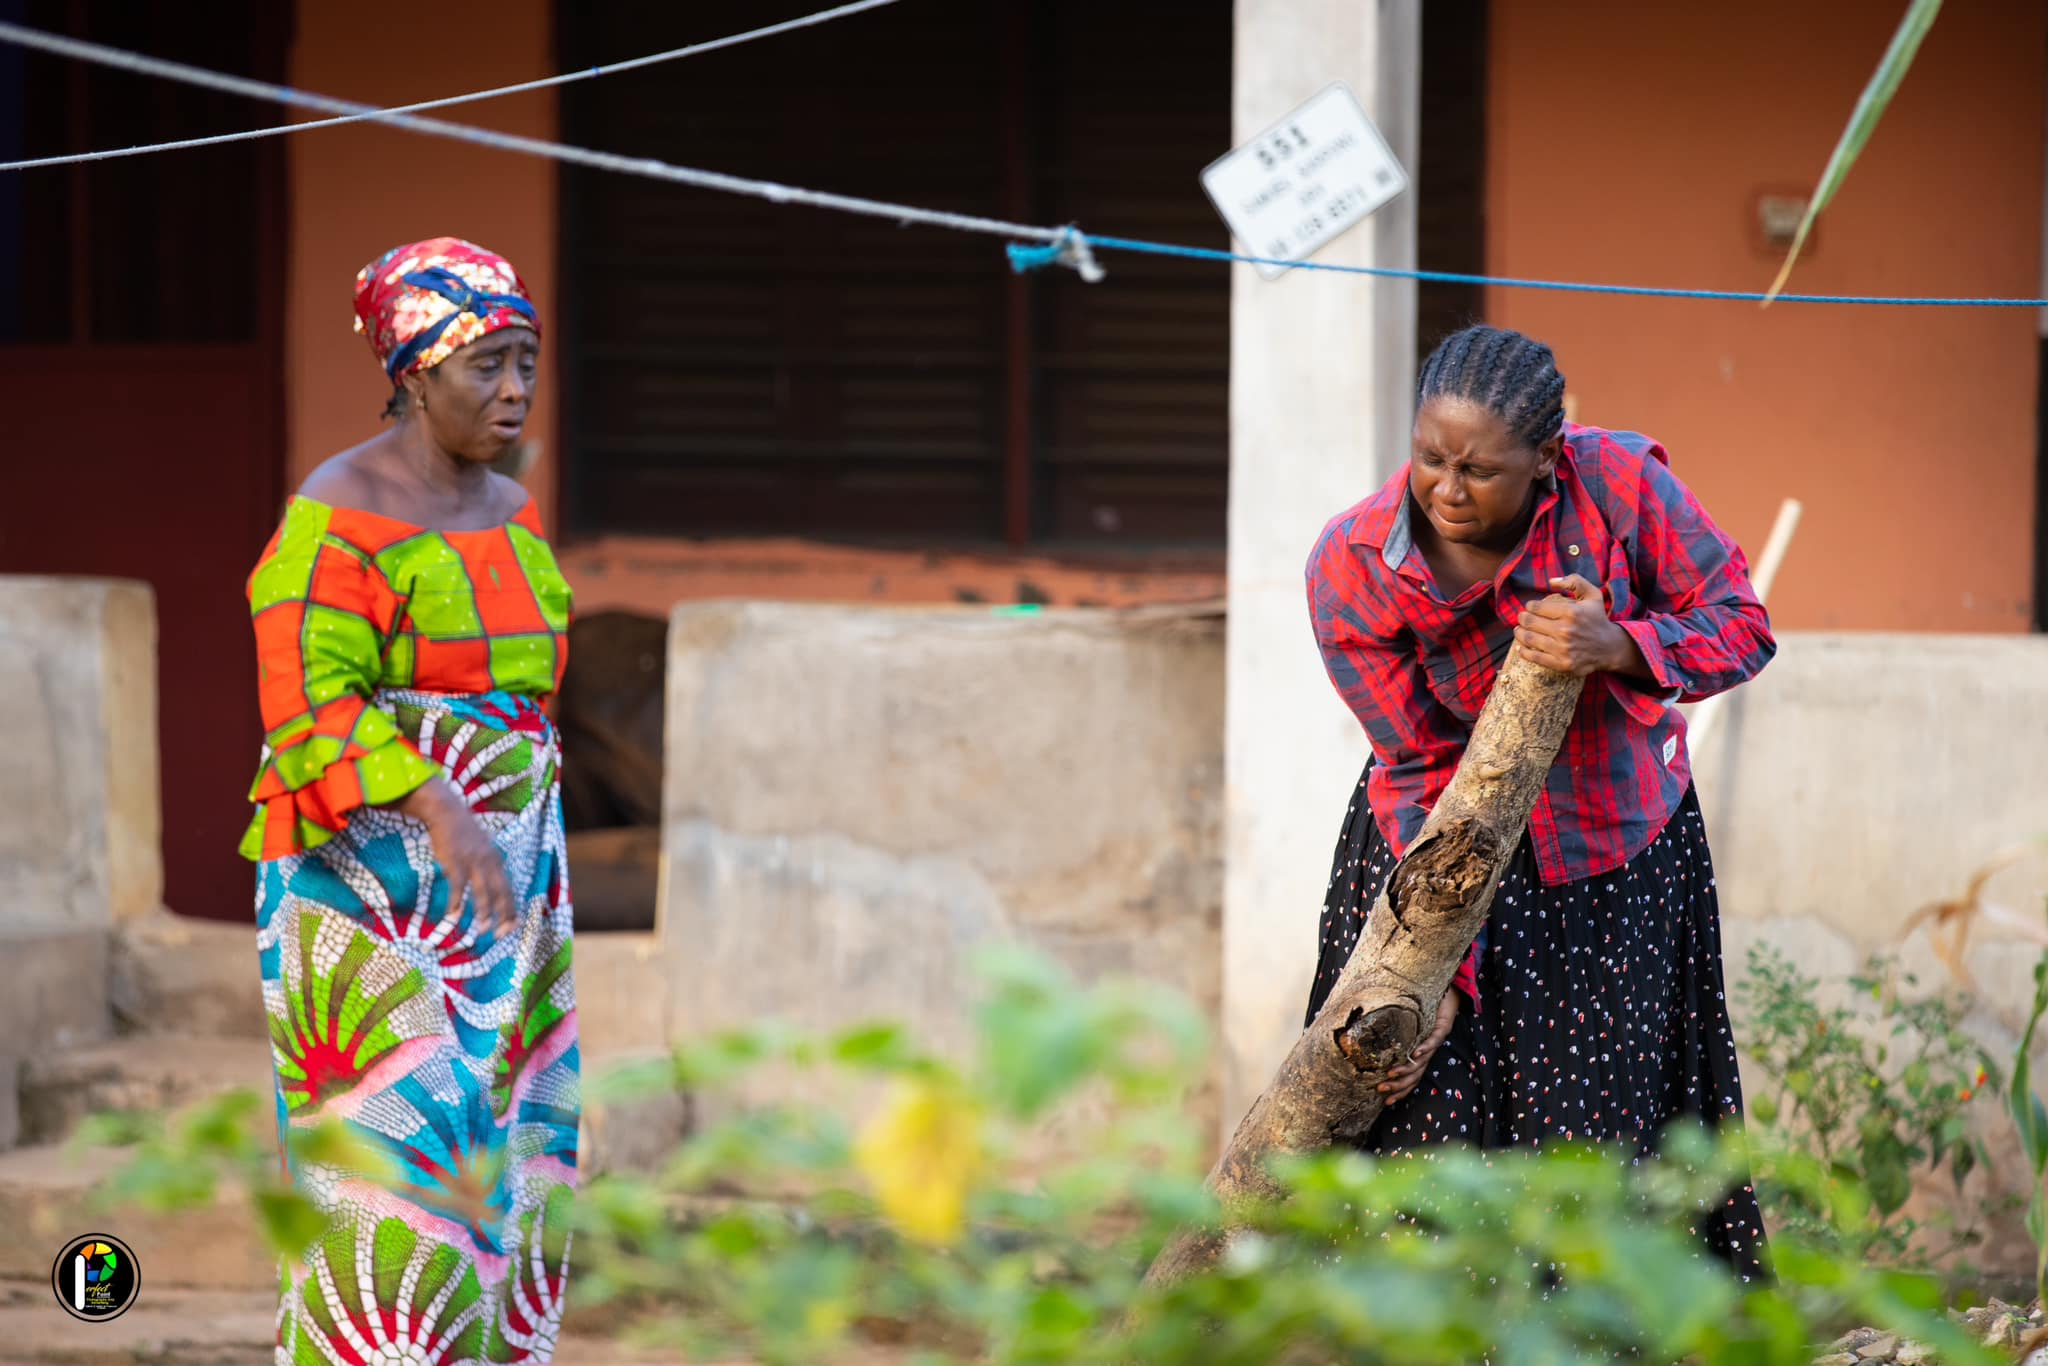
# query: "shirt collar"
1383,523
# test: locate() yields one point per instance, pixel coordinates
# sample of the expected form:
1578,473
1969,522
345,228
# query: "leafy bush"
1871,1094
2030,1116
949,1226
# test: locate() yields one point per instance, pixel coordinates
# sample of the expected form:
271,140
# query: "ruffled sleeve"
323,612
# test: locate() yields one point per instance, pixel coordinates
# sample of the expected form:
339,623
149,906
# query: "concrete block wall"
1864,776
80,830
79,820
858,801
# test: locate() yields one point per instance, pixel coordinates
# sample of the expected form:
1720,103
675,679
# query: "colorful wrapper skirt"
449,1051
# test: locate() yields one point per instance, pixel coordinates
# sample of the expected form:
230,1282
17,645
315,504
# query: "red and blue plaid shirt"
1416,669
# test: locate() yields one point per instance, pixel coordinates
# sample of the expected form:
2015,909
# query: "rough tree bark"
1327,1090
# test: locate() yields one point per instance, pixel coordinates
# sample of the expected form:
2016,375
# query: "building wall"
1856,412
80,818
80,813
1627,143
359,190
1053,780
861,801
1863,777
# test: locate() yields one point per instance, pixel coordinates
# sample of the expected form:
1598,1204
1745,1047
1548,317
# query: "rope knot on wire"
1070,248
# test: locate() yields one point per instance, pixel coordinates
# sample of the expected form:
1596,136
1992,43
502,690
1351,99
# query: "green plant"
191,1158
1005,1208
1872,1093
936,1226
2031,1117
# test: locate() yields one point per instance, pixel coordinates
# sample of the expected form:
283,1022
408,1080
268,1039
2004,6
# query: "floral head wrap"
421,303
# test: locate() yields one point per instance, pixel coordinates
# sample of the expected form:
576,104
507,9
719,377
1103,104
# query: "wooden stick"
1708,712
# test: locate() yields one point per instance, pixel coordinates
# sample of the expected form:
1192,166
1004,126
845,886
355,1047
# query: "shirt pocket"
1622,602
1463,692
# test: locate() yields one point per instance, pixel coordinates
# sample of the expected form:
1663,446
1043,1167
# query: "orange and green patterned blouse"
347,603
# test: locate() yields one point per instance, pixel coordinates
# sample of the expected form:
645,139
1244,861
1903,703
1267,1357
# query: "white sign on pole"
1306,180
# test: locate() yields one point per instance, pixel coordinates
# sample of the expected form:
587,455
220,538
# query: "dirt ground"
222,1328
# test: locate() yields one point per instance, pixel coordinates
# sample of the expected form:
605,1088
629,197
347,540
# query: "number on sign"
1280,147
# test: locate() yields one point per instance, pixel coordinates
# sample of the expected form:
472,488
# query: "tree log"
1327,1091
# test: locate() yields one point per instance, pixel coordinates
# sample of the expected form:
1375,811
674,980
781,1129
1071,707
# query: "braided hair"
1512,376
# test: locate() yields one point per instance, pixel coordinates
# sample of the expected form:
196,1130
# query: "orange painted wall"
356,191
1626,144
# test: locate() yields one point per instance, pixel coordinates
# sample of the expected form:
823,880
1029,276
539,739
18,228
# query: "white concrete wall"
1321,372
80,826
861,800
79,821
1862,777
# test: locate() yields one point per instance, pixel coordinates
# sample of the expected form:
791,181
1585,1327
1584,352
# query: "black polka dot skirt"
1601,1013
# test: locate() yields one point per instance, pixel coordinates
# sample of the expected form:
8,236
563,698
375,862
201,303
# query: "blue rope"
1067,248
1025,258
1133,244
1062,246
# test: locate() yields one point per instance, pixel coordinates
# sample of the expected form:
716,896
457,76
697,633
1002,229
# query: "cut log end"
1373,1042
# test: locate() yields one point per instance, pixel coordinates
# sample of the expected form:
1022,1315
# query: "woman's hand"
1570,632
469,859
1405,1077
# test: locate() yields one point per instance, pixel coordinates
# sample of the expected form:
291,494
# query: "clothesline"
1052,245
370,113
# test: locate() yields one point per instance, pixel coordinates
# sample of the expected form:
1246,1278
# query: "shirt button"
1571,550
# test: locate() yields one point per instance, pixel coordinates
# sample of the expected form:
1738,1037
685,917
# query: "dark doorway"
141,374
1451,181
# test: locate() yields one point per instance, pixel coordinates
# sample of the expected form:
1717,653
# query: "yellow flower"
920,1152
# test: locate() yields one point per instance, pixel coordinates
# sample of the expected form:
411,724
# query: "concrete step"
56,988
174,974
56,997
185,1328
59,1089
47,1197
168,1327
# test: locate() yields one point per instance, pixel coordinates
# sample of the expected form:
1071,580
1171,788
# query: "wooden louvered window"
740,368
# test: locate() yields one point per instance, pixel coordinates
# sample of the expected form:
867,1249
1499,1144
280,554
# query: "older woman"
1592,1007
412,896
